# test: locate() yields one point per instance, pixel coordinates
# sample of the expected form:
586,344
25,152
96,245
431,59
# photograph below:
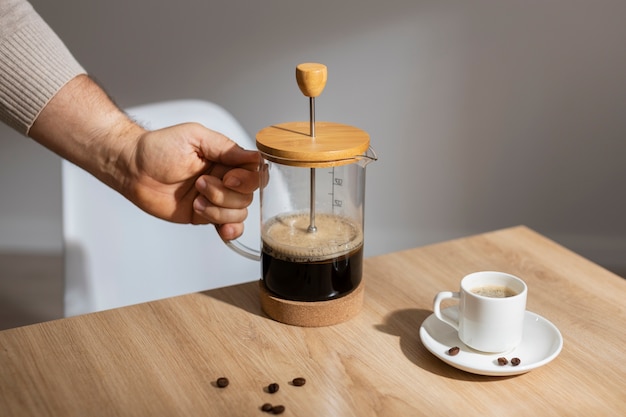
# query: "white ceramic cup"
485,323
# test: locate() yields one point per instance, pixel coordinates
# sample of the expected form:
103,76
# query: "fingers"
218,214
218,193
221,205
228,222
241,180
230,231
227,189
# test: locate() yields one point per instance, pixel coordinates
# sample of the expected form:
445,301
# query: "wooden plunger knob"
311,78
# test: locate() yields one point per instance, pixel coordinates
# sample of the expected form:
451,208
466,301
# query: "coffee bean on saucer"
222,382
298,382
515,361
453,351
502,361
273,387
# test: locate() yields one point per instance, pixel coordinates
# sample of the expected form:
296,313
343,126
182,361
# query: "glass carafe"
312,214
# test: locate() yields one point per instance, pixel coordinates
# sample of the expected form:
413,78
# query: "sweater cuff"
35,65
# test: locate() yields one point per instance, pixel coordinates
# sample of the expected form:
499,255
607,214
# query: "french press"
312,209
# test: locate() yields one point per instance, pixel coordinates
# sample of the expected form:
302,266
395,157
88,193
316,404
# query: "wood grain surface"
162,358
334,144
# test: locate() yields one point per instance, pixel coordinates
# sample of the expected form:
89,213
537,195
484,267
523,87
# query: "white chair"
116,255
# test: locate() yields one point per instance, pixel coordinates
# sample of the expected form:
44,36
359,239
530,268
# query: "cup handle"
444,295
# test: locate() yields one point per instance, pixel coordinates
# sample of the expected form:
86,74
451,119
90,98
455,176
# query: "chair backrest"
116,255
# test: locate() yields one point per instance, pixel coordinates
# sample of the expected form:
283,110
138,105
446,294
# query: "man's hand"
185,173
190,174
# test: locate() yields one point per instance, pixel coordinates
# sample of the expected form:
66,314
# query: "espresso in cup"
494,291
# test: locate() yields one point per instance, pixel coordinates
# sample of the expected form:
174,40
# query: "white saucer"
541,343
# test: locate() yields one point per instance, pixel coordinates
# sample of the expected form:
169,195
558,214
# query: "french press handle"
243,250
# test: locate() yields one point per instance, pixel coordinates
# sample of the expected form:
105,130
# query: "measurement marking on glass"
336,182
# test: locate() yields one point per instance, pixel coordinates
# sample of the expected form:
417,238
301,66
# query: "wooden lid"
291,144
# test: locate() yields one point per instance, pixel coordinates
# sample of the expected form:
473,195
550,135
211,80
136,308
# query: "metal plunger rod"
311,79
312,115
312,228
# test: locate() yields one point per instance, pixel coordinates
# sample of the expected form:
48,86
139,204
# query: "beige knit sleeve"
34,64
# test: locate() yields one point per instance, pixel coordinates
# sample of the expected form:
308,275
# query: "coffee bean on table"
267,407
502,361
278,409
453,351
222,382
273,387
515,361
298,382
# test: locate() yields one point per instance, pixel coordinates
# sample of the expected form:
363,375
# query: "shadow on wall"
31,288
80,291
485,114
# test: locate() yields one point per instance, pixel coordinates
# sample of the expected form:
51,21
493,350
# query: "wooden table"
162,358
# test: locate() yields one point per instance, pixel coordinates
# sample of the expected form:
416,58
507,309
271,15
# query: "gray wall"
485,114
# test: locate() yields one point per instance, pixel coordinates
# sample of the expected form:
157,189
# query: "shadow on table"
406,324
244,296
402,323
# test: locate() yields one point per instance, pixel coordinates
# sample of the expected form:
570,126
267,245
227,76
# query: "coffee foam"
494,291
286,236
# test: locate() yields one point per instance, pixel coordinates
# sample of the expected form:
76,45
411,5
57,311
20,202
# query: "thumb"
216,147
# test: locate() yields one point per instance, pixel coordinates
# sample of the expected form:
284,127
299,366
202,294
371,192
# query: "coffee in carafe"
305,266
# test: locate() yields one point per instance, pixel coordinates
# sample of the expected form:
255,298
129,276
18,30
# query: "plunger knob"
311,78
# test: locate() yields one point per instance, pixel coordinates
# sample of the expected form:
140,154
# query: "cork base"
312,313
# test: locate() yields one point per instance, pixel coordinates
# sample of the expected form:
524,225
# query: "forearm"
45,94
82,125
34,64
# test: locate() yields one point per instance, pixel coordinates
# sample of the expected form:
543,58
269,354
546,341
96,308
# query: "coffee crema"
286,237
311,266
494,291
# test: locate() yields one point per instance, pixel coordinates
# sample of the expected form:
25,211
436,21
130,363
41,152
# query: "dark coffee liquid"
313,281
311,266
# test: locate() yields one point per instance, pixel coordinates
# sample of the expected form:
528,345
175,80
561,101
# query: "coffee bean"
222,382
515,361
298,382
278,409
502,361
453,351
272,388
267,407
